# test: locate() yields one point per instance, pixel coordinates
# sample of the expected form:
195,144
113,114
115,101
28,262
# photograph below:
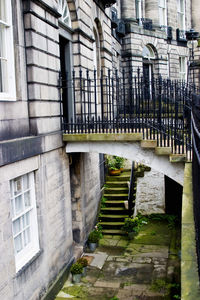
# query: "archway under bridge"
148,154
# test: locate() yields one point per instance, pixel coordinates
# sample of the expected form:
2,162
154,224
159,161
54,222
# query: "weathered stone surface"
189,276
107,284
150,193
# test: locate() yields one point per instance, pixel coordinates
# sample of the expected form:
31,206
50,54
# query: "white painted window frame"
32,248
63,9
181,14
183,67
162,12
9,94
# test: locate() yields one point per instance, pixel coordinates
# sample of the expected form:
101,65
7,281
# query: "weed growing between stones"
161,286
103,202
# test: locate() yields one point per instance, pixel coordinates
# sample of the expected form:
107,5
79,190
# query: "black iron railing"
132,191
127,103
196,171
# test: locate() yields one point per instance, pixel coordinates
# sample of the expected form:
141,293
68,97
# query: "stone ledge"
176,158
151,144
163,150
189,275
98,137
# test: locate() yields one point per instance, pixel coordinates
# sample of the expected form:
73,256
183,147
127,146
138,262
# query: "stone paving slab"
99,259
63,295
108,242
107,284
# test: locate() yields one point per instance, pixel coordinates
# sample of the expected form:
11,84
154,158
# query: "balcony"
147,23
181,35
120,30
168,31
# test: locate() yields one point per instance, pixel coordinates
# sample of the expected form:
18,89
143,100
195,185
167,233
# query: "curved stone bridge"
130,146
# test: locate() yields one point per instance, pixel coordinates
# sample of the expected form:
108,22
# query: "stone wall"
150,194
53,201
85,188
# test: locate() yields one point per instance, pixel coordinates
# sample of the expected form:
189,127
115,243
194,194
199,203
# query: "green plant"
119,162
111,163
171,219
131,225
103,202
177,297
83,261
153,232
115,162
114,298
76,268
95,234
161,286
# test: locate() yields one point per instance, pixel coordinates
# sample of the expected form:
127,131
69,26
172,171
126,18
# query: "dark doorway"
66,91
173,197
147,75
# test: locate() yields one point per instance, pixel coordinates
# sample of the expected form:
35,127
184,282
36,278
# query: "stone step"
116,203
118,178
120,210
177,158
163,151
117,183
113,231
111,223
113,216
116,196
116,190
148,144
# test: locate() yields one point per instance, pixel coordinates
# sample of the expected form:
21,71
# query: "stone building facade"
155,36
49,200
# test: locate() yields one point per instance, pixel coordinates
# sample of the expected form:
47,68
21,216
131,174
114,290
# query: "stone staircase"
114,212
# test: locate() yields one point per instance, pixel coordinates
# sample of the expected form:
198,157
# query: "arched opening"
149,57
96,52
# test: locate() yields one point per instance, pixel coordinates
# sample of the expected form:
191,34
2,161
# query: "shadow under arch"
133,152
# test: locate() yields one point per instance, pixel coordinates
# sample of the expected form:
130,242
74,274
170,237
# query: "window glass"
24,219
64,11
183,67
162,13
7,70
181,14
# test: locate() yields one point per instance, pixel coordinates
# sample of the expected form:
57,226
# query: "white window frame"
183,67
181,14
63,9
7,49
18,191
162,5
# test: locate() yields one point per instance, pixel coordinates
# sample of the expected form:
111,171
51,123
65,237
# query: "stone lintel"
176,158
149,144
102,137
163,150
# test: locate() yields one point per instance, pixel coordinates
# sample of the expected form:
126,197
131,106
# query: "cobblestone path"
145,268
